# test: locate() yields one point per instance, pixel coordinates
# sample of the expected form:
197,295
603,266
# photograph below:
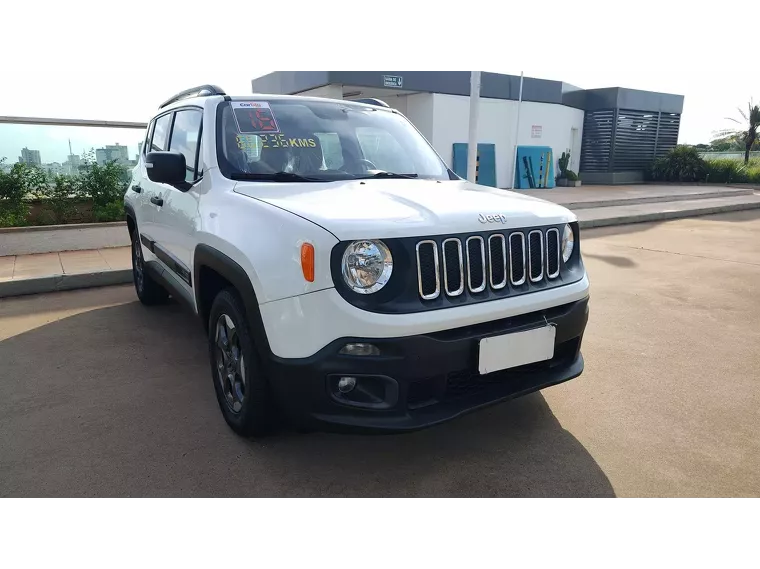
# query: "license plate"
516,349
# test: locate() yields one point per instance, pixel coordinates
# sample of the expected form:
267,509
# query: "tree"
748,137
726,144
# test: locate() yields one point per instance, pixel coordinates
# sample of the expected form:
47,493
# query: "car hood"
361,209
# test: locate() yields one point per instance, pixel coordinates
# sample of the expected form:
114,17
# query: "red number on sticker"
265,122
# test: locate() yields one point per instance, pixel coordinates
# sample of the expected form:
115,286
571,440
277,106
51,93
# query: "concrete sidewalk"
613,196
54,238
50,272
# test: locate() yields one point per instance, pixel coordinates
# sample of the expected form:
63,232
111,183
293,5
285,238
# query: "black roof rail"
200,91
376,102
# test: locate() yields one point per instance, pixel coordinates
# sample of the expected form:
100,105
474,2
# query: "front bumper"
422,380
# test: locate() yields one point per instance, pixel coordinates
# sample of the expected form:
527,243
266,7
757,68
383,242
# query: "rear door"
137,195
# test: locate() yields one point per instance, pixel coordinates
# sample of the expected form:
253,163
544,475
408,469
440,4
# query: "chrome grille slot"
552,253
476,261
453,272
517,258
428,270
497,261
536,255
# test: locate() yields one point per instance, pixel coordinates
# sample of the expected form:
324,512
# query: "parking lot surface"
100,396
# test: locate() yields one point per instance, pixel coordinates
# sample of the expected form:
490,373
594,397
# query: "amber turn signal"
307,261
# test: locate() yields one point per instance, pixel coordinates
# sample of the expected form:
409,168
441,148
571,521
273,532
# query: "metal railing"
72,122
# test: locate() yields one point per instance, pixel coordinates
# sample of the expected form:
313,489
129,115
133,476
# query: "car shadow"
118,401
614,260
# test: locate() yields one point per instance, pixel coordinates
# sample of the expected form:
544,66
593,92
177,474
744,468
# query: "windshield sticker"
249,143
254,117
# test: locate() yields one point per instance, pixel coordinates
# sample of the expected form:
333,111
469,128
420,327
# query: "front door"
176,221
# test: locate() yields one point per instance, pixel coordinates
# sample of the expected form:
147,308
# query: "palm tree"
750,136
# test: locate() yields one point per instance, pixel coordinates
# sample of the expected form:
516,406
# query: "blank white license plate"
517,349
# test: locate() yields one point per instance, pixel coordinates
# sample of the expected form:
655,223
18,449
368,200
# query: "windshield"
300,140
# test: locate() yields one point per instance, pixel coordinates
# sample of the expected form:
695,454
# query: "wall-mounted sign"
395,81
536,130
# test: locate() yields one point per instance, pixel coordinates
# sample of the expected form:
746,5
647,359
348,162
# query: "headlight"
367,266
568,243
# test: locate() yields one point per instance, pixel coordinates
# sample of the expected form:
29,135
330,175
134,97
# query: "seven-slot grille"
475,263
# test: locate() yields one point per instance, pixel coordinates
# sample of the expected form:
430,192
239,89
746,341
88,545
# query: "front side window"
288,139
185,139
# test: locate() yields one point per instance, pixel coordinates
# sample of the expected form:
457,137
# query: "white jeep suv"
346,277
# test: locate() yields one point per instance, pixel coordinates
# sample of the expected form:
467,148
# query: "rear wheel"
241,386
148,291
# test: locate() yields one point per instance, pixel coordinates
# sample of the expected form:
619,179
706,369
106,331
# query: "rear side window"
185,139
161,133
149,131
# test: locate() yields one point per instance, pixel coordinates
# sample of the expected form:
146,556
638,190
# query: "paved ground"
100,396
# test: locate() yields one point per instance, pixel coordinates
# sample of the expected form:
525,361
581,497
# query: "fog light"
360,350
346,384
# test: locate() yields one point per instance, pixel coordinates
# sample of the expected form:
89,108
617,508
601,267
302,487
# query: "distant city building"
71,166
116,152
53,168
31,157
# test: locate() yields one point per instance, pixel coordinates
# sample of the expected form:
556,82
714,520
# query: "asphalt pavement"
100,396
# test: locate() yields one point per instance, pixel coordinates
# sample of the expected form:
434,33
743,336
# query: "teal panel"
486,174
460,160
535,167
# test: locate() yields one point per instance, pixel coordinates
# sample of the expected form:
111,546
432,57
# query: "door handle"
136,188
158,201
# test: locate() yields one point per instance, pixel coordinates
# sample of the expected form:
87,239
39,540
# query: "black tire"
148,291
254,415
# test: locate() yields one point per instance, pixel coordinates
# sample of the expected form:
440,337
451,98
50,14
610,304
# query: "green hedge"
684,164
101,185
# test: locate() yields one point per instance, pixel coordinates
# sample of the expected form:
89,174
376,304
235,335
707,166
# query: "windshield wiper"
276,177
388,175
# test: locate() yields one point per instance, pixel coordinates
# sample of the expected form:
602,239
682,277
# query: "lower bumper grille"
462,383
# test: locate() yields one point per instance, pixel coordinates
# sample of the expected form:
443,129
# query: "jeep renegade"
345,275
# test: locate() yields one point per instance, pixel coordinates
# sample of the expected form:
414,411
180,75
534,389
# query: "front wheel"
148,291
242,389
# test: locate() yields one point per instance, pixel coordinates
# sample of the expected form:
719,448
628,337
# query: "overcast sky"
133,92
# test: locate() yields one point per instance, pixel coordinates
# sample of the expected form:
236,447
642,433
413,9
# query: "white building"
612,134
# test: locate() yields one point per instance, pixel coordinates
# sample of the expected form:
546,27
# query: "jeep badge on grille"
497,218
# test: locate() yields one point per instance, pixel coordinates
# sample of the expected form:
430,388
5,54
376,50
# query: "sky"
132,92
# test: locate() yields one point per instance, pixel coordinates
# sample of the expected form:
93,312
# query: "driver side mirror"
166,167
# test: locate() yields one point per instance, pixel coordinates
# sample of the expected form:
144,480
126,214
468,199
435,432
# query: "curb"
64,282
665,215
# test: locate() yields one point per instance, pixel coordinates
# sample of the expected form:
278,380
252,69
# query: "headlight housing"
367,266
568,243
